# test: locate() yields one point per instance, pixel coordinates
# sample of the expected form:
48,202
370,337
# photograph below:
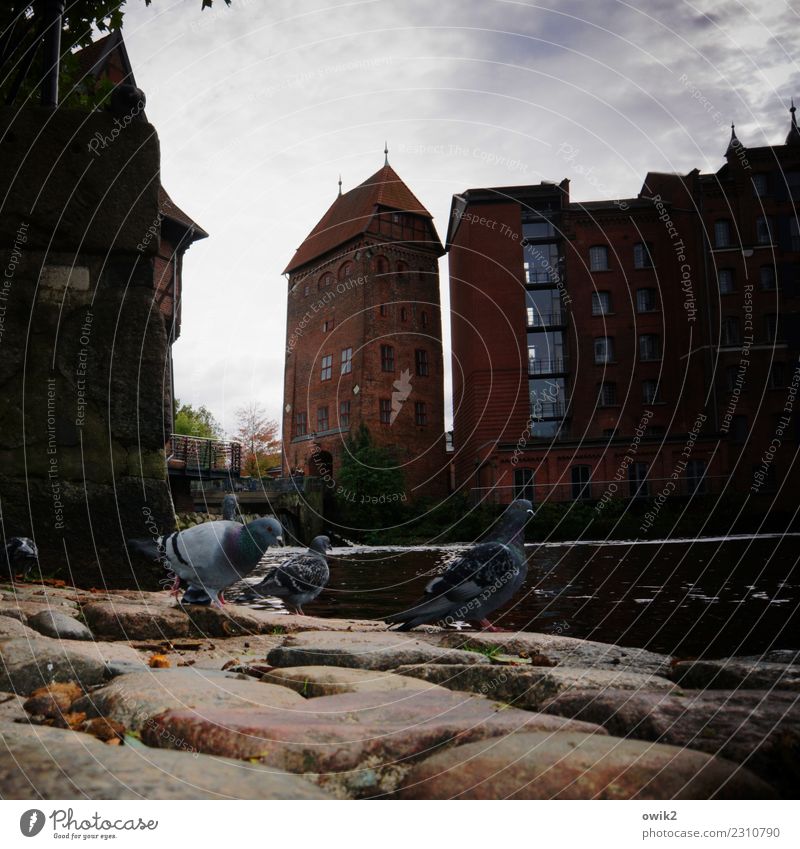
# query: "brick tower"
363,336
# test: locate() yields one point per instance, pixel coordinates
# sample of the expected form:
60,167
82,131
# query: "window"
346,271
722,234
523,484
649,347
420,413
766,278
637,480
581,488
731,334
731,378
402,271
650,392
771,327
777,376
387,358
763,230
604,349
386,410
344,414
725,281
424,318
327,367
607,394
327,326
598,258
383,310
793,182
601,303
347,360
761,185
646,300
300,424
402,313
325,280
794,234
642,255
421,357
306,290
541,229
738,429
322,418
381,265
696,477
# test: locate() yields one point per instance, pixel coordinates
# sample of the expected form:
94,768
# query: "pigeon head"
264,533
321,544
513,520
22,554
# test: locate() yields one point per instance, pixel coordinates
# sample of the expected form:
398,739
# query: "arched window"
346,271
381,265
402,271
325,280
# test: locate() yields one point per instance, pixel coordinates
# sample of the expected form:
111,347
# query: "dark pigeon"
480,580
22,555
214,555
301,578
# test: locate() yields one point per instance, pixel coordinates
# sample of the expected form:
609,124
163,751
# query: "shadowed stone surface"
64,770
29,664
529,687
386,650
132,699
52,623
565,651
22,608
578,766
732,672
315,681
757,728
124,620
359,742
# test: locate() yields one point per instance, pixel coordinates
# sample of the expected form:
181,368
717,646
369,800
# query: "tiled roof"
350,214
169,209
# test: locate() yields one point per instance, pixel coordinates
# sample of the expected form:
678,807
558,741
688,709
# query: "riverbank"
123,694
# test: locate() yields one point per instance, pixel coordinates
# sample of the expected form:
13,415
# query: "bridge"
203,471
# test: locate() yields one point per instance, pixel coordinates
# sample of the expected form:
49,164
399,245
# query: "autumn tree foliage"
259,437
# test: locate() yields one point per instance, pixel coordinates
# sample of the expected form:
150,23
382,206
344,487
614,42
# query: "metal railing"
552,365
270,486
203,456
546,319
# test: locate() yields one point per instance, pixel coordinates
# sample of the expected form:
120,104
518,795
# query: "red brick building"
632,347
363,336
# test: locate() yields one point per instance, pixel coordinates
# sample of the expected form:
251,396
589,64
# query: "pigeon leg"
299,610
176,587
221,598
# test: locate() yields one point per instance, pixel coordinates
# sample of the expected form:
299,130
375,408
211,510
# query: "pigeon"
21,553
480,580
229,507
213,555
301,578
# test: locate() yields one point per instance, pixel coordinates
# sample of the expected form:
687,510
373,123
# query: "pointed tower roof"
794,133
734,143
350,214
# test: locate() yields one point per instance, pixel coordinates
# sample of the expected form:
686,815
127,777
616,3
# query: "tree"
22,28
258,435
370,487
196,422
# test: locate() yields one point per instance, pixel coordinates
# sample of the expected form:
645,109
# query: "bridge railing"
276,486
202,456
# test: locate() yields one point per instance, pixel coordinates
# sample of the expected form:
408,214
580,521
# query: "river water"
709,597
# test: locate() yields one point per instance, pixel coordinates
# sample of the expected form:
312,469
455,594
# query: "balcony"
554,365
546,319
196,457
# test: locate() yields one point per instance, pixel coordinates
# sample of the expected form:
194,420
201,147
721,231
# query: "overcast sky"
260,106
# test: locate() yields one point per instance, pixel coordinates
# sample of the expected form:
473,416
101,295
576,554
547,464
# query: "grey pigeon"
301,578
213,555
480,580
229,507
21,553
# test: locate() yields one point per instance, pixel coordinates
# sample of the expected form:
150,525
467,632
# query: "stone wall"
83,347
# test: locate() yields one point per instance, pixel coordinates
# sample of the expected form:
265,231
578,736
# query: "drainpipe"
52,14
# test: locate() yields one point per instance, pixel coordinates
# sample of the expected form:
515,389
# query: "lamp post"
52,15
